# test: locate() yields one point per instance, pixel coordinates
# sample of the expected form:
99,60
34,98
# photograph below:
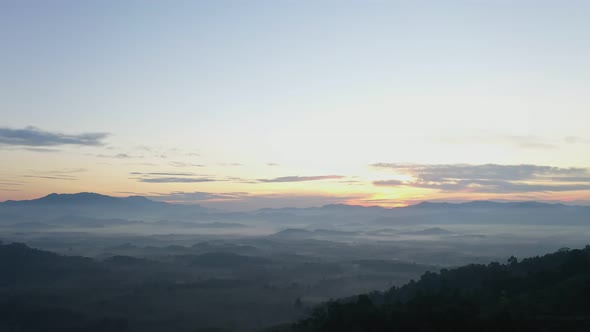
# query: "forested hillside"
548,293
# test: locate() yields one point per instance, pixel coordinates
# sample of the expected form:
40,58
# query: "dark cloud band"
175,180
302,178
489,178
32,136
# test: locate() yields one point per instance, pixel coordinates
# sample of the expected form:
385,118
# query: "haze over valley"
294,166
262,267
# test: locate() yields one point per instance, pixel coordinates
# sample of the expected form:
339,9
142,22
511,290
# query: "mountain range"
92,205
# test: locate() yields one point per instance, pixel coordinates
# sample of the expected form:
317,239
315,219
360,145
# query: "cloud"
65,171
529,142
272,164
240,180
302,178
11,183
519,141
183,164
170,179
489,178
537,145
163,173
135,164
42,150
119,156
352,182
231,164
51,177
32,136
388,183
57,174
197,196
576,139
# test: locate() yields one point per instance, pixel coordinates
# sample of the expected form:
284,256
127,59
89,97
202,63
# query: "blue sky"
315,88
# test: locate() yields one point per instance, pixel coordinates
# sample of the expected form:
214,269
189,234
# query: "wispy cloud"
489,178
519,141
240,180
32,136
64,171
297,178
576,140
197,196
529,142
42,150
52,177
163,173
390,183
170,179
67,174
120,156
183,164
9,189
11,183
135,164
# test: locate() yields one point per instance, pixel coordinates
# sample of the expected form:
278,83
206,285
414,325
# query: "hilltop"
544,293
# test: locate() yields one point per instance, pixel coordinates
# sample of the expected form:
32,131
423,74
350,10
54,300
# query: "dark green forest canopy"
548,293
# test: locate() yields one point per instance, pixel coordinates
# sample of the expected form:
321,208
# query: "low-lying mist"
205,268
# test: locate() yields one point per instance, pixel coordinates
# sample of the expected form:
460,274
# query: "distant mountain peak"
84,198
534,204
292,232
81,195
139,199
428,204
486,204
342,206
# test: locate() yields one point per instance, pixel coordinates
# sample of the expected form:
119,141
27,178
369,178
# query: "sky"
247,104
